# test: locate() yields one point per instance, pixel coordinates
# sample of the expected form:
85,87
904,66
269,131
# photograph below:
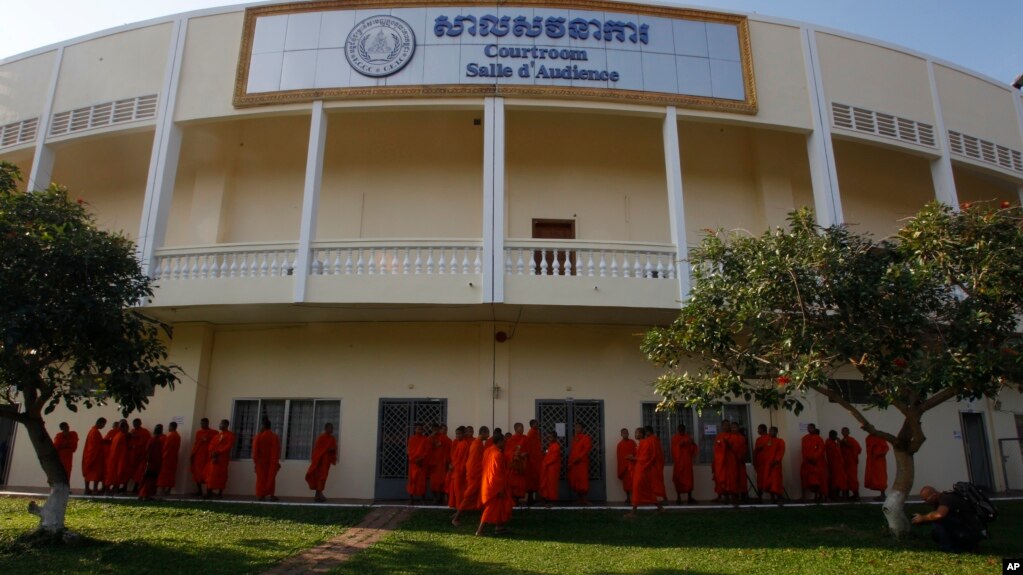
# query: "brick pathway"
331,553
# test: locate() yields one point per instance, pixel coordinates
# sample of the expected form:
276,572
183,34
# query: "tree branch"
856,413
937,399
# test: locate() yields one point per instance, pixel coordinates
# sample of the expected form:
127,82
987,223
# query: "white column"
310,197
1017,101
676,205
41,173
163,161
819,147
941,167
493,200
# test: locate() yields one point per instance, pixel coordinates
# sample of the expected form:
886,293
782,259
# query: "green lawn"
844,540
174,537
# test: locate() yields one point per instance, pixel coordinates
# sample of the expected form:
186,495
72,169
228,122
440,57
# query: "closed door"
561,415
978,453
397,421
554,262
6,444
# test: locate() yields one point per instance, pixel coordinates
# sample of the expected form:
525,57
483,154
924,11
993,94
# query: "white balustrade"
224,261
396,258
589,259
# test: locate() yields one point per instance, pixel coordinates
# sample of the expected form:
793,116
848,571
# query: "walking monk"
644,490
66,444
774,453
418,450
550,470
626,461
138,444
761,461
459,455
813,471
473,476
579,463
116,477
440,458
683,451
220,459
875,476
534,462
851,456
495,493
94,457
739,449
324,455
266,457
836,466
719,461
199,460
169,466
152,460
516,455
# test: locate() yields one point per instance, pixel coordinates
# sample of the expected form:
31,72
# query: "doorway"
7,427
553,262
978,452
561,415
397,421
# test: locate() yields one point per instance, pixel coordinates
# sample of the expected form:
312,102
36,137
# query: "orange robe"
456,484
762,461
138,444
151,461
626,447
774,453
117,460
495,491
418,463
875,476
644,491
683,450
169,465
220,459
851,456
659,487
266,456
579,463
534,463
717,465
200,456
94,456
515,456
738,449
836,465
440,456
66,445
725,467
473,477
550,472
324,455
813,471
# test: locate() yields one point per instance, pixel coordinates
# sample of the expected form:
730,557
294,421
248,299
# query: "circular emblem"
380,46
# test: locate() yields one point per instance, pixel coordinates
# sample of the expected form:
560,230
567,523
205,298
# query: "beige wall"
109,172
975,186
437,192
976,107
23,160
206,87
605,172
879,187
24,87
123,65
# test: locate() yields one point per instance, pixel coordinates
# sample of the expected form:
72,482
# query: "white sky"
983,35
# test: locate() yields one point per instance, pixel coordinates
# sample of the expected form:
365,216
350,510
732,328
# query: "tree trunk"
894,505
51,514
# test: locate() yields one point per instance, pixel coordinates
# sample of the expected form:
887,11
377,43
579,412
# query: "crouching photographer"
957,521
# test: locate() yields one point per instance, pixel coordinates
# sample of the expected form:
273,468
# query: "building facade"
375,213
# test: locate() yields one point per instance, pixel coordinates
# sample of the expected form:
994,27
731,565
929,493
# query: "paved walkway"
331,553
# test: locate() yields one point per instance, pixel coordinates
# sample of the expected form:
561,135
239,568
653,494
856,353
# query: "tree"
70,331
927,316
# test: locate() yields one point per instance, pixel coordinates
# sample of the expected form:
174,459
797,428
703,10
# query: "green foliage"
69,332
924,317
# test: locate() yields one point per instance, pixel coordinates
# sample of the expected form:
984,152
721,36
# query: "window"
665,423
296,421
852,390
704,432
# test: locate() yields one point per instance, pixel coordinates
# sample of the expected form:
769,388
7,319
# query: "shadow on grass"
344,516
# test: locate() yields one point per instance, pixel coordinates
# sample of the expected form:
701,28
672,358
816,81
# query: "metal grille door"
561,415
397,421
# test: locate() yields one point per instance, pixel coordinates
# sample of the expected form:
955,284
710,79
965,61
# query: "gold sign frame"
242,99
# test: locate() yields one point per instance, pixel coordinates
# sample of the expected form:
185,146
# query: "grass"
169,537
843,540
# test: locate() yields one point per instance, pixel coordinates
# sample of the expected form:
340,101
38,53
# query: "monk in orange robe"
495,493
151,462
169,465
851,456
459,455
836,466
66,444
761,461
440,458
875,475
473,476
116,477
138,442
659,487
94,457
516,455
220,460
534,461
199,459
683,451
717,467
324,455
550,470
813,470
626,452
579,463
644,490
774,454
266,458
418,450
739,449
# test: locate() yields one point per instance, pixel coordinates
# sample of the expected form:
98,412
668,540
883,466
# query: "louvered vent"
18,132
102,115
985,151
881,124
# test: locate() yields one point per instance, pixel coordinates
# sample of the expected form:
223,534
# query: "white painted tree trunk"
894,512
